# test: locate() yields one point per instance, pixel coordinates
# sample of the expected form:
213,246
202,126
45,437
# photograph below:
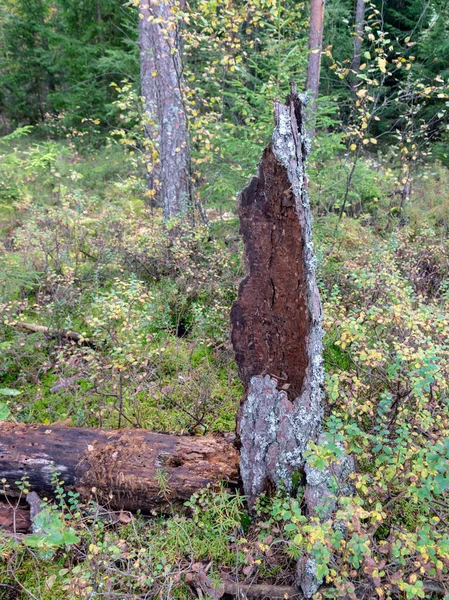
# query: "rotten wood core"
15,519
276,319
123,469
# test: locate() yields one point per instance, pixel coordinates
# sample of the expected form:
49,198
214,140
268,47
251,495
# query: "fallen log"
262,590
124,469
14,518
73,336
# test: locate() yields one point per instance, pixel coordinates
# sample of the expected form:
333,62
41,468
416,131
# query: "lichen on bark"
276,319
277,332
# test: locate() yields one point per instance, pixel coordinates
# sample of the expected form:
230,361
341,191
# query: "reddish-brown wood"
14,518
270,318
125,469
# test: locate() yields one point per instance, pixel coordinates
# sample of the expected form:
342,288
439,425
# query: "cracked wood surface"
125,469
276,319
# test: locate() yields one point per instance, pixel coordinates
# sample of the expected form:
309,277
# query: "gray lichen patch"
325,486
274,434
323,489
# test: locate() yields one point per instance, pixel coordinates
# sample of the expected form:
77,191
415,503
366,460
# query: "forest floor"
83,251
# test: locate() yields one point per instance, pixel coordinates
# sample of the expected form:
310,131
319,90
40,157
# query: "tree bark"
276,320
127,469
359,22
277,333
314,59
166,128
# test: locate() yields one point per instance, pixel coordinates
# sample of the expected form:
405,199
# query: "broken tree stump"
127,469
276,319
277,333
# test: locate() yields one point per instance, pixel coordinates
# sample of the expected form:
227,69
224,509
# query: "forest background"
85,248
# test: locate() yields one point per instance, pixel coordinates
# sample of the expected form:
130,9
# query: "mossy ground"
85,252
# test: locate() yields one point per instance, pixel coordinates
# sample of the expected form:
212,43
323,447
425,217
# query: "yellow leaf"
353,146
382,63
365,141
373,140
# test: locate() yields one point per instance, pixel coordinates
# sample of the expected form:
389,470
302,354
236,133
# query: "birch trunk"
314,59
359,22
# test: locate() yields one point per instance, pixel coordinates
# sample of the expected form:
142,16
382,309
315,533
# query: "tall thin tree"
166,128
314,59
358,22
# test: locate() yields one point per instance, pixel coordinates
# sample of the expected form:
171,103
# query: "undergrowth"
84,252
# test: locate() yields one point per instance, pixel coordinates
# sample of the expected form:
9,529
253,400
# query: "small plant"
51,530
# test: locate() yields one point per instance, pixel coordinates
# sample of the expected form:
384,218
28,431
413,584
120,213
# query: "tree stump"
276,319
277,331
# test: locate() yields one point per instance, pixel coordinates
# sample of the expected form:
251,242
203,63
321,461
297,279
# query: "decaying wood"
277,331
124,469
276,320
61,333
286,591
14,519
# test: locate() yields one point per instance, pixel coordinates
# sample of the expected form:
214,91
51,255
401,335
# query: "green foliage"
86,250
59,58
51,531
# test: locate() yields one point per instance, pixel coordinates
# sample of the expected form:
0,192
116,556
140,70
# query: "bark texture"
125,469
359,22
166,121
314,58
276,319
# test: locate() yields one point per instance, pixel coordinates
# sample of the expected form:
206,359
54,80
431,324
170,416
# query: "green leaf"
9,392
4,411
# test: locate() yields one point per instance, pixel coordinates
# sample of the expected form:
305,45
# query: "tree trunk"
276,320
277,333
359,22
166,129
126,469
314,59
